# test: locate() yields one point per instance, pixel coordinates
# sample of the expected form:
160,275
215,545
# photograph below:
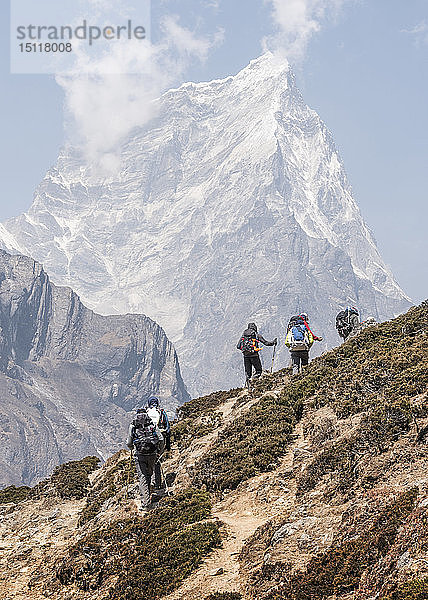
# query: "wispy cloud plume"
213,4
118,89
419,32
296,22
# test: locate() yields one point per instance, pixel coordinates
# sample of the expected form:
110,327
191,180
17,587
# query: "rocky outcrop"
69,377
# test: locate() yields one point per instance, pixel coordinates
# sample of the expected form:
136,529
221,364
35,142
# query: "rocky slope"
68,377
313,487
231,206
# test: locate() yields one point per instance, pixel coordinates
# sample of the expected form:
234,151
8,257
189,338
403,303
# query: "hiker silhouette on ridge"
348,322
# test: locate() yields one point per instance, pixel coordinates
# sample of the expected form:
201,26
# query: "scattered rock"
300,454
290,528
304,542
404,561
54,514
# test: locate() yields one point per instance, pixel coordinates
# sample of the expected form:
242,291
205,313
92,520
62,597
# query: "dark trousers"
145,463
299,359
252,361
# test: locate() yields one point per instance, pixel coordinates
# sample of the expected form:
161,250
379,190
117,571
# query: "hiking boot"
158,494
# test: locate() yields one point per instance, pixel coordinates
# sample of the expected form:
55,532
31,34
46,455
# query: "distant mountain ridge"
69,377
232,205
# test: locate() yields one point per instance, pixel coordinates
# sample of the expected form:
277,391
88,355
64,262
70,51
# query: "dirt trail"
242,511
240,522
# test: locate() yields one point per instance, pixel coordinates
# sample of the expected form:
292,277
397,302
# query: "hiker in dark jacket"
160,419
348,322
249,346
147,440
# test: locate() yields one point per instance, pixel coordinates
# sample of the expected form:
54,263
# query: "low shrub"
14,494
339,569
252,444
270,380
186,430
384,366
198,406
338,456
415,589
143,558
378,373
69,480
117,472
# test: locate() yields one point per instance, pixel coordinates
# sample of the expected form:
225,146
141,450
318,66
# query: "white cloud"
296,22
118,89
419,31
186,42
212,4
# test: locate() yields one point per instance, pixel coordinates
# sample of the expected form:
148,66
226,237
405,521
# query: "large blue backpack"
299,334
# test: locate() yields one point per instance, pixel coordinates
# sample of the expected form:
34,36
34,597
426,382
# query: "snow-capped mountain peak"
231,205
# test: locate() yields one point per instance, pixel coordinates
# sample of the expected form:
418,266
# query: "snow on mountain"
231,206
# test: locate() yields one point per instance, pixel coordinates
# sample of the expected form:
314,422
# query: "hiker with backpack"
147,440
299,340
348,322
160,419
249,345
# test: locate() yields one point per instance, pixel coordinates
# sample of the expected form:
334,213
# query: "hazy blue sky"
365,72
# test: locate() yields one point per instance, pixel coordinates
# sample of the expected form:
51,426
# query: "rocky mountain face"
69,377
312,487
231,206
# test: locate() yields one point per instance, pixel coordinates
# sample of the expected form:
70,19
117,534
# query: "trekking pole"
129,472
163,475
249,386
273,358
164,480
